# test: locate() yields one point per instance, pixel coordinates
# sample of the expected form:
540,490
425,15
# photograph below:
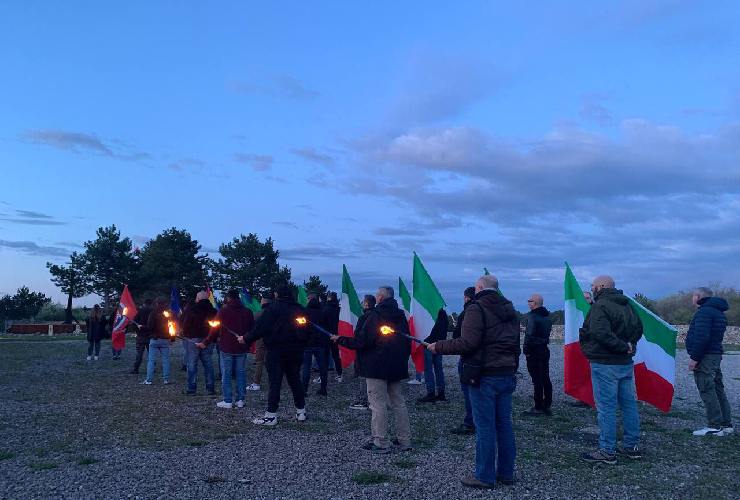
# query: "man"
608,339
330,321
285,342
383,356
704,345
159,342
259,350
468,426
316,346
195,329
141,321
361,403
588,297
235,322
490,340
434,374
536,339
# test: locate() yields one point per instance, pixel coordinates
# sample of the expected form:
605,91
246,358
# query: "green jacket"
609,326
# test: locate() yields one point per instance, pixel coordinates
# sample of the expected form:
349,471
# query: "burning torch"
388,330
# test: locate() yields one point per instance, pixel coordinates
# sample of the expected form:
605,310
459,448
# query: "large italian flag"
350,311
426,301
655,357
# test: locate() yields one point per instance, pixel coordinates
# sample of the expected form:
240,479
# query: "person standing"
608,339
468,426
95,332
195,329
159,342
383,353
316,346
259,350
361,402
236,321
141,322
704,345
489,345
537,352
434,374
285,342
330,315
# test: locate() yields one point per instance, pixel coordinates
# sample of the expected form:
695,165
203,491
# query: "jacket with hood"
439,330
236,320
610,325
195,320
278,328
707,328
537,333
314,315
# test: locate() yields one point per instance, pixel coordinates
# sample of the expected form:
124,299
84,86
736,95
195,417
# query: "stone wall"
732,335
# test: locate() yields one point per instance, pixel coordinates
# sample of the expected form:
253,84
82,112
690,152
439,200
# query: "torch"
124,314
303,321
388,330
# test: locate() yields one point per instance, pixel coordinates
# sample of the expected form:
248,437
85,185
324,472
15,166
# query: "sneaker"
270,419
253,387
709,431
375,449
599,457
95,358
401,447
240,403
166,382
414,381
463,430
300,415
224,404
533,412
339,379
429,398
359,406
317,380
728,430
632,453
474,482
146,382
89,358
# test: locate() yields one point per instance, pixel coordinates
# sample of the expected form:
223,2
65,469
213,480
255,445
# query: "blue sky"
489,134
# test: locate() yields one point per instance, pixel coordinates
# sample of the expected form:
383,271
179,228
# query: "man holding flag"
608,339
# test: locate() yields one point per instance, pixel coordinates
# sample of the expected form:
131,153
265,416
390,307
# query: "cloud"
279,86
593,109
31,218
83,143
259,163
291,225
187,164
314,156
31,248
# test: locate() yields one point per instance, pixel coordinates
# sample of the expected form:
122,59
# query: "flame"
213,323
301,320
386,330
171,328
166,314
125,311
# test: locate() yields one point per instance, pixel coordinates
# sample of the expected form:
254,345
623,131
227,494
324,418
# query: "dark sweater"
235,320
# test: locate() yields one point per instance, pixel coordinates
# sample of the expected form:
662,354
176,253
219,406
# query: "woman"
95,332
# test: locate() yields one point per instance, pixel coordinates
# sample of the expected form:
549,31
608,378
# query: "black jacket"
96,328
195,320
460,318
707,328
277,326
490,333
358,328
330,317
439,330
142,319
379,356
537,334
157,325
609,325
314,314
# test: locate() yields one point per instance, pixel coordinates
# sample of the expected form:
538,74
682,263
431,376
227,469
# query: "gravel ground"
76,429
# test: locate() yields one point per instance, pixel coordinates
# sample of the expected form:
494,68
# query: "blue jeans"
237,362
318,353
615,384
192,355
466,394
158,347
433,372
491,402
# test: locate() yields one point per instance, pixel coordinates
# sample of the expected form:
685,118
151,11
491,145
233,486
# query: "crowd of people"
289,340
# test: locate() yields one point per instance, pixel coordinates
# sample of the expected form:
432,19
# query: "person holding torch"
161,331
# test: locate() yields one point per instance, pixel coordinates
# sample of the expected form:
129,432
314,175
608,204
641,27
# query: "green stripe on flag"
301,296
655,329
425,291
573,291
349,288
403,292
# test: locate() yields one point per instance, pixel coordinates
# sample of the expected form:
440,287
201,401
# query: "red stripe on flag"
577,374
118,340
652,388
346,355
417,350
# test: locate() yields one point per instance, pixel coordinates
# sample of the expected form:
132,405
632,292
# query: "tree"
109,263
25,304
248,262
315,285
70,279
643,300
172,259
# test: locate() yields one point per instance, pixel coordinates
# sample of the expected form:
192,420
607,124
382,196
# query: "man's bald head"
486,281
601,282
535,301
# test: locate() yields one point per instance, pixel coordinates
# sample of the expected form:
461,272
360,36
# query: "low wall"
732,335
32,328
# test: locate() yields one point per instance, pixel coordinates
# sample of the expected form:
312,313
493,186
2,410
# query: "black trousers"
140,348
538,365
284,363
333,351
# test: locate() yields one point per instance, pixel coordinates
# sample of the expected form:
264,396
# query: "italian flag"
403,292
301,296
655,357
426,302
350,311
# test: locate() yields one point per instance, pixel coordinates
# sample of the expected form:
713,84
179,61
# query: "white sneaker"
240,404
727,430
253,387
709,431
270,419
96,358
413,381
317,380
224,404
89,358
146,382
300,415
339,379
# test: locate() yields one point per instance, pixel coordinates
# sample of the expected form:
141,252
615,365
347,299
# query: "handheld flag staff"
388,330
303,321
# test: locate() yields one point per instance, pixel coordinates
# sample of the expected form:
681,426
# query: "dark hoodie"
439,330
195,320
330,316
610,325
236,320
707,328
278,328
490,332
539,325
314,315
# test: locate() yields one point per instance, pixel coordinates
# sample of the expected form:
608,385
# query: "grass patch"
6,455
38,466
405,463
87,461
368,478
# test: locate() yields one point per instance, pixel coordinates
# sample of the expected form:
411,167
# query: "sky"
515,137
